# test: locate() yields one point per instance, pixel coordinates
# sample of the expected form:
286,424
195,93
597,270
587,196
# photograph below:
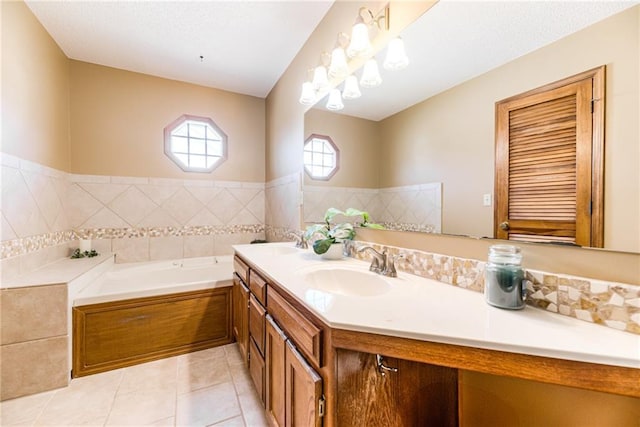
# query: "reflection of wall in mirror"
415,207
449,138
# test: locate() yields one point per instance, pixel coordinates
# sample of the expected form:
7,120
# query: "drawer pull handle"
134,318
382,368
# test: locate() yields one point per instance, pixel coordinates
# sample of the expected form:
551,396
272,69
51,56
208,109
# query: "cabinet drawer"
256,369
258,286
305,335
241,268
256,322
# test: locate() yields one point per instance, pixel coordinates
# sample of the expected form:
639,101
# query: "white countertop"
428,310
64,270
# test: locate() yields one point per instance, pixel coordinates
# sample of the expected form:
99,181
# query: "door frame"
597,77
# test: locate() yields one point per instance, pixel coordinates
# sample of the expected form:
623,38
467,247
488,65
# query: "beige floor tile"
233,422
211,353
23,410
160,374
86,401
241,379
142,407
202,373
252,409
207,406
233,354
166,422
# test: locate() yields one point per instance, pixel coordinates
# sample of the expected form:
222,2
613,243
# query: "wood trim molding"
589,376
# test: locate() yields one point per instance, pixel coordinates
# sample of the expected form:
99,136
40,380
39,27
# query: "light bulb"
338,68
360,44
370,74
320,81
308,96
351,89
396,58
335,100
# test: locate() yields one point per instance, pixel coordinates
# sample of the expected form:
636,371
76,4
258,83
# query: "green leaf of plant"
343,231
374,226
331,213
316,229
322,246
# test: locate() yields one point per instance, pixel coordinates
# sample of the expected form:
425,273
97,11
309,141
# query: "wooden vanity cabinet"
240,298
417,394
293,388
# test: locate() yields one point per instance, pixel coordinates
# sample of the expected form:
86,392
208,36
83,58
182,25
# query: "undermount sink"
348,282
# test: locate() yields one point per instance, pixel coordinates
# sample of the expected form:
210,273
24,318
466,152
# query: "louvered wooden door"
548,163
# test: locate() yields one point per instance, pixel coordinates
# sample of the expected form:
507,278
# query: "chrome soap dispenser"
505,285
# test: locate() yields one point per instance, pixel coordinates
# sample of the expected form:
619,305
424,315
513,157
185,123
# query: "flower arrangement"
330,234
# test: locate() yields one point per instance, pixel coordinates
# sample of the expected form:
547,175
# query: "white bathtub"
145,279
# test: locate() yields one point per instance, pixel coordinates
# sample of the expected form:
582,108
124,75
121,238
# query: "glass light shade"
320,81
351,89
338,68
396,56
370,74
308,96
360,44
335,100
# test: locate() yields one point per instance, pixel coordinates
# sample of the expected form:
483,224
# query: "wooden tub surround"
309,372
116,334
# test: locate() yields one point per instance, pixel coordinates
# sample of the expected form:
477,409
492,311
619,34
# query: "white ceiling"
458,40
246,45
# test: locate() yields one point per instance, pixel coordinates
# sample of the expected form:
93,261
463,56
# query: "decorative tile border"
26,245
279,234
401,226
615,305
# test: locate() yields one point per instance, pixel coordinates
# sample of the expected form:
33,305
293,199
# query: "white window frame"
175,156
336,158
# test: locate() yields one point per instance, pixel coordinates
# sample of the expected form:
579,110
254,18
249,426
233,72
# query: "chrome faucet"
301,242
378,260
381,262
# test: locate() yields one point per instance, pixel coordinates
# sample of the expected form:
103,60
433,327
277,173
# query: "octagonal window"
196,144
321,157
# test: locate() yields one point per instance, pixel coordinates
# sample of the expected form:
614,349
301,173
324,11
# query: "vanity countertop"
428,310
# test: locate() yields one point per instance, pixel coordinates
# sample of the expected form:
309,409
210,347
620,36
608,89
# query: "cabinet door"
256,322
241,316
275,349
417,394
256,369
303,390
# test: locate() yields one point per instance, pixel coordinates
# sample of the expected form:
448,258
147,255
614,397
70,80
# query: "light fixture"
335,100
320,81
338,68
351,89
308,96
370,74
396,58
360,45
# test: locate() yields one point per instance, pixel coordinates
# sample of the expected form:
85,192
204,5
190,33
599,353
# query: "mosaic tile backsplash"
615,305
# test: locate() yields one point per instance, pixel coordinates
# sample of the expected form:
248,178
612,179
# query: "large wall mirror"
417,152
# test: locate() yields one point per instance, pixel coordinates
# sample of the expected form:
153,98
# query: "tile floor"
207,388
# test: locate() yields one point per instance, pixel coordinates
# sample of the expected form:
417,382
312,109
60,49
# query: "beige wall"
118,119
358,141
35,90
450,137
487,400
